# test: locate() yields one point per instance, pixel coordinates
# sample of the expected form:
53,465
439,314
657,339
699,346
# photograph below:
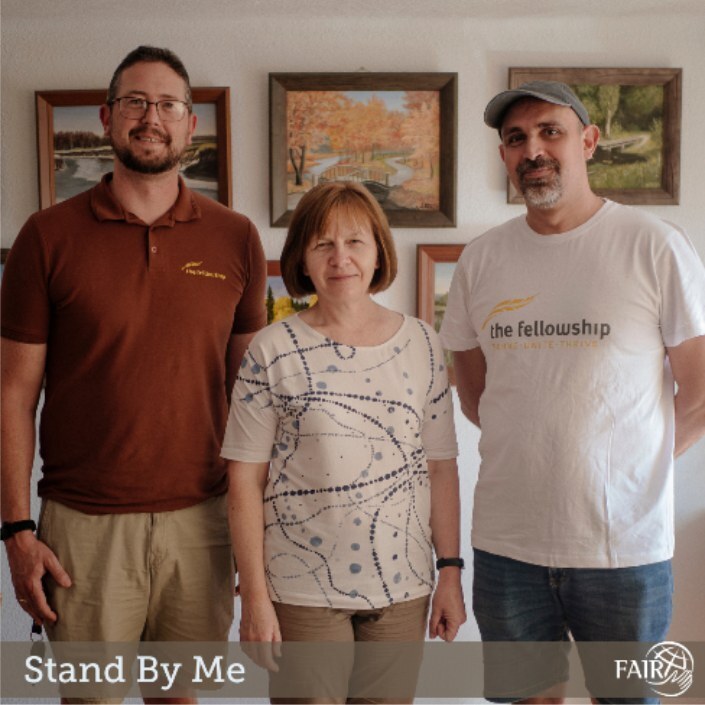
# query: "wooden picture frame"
212,105
408,160
639,161
434,268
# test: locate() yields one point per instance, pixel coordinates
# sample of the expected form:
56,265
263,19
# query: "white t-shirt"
348,431
577,413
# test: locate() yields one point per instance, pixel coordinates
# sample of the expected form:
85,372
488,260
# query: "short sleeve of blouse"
438,434
252,421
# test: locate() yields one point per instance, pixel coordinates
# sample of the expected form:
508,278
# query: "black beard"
134,163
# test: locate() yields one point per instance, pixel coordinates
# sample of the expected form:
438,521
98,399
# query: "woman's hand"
259,633
447,606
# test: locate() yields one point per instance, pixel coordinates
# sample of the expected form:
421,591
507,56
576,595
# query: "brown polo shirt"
136,319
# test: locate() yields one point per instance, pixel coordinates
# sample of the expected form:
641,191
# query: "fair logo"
667,669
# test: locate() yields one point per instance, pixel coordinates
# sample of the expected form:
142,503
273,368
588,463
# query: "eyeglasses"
136,108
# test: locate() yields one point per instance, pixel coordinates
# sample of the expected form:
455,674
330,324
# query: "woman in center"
342,451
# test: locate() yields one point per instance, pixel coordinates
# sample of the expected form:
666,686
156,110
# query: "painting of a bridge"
387,140
637,159
392,133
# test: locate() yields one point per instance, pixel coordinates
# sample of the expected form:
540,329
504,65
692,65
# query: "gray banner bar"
498,671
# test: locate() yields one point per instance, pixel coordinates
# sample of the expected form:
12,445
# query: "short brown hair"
154,55
311,218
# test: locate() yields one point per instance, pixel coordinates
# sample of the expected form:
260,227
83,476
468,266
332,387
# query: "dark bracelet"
446,562
9,529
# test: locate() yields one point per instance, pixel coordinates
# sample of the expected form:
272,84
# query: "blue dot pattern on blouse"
348,431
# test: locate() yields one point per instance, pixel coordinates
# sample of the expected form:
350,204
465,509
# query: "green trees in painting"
608,100
630,118
622,108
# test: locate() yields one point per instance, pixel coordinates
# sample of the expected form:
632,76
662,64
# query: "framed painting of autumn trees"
73,153
394,132
638,111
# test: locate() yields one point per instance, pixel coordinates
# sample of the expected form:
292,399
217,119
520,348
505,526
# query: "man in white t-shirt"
569,326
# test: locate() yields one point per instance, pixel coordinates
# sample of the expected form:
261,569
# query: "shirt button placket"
153,254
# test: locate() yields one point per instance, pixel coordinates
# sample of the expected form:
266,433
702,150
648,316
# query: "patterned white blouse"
348,431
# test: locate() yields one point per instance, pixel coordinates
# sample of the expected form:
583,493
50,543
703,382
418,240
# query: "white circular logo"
674,674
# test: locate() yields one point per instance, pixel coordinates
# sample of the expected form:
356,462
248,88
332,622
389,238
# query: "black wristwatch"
10,528
454,562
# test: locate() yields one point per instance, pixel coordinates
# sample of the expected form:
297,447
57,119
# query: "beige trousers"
329,671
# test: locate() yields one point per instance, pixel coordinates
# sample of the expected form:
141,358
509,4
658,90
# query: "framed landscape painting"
277,300
393,132
435,265
73,154
638,111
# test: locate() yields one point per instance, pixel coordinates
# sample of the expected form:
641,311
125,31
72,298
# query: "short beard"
541,193
133,163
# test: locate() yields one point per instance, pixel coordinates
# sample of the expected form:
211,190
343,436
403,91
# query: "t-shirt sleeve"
25,291
682,277
252,421
457,331
438,432
251,314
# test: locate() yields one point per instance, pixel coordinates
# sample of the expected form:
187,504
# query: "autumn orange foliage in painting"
390,141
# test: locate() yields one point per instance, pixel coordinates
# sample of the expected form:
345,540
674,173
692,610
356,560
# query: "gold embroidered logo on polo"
508,305
194,269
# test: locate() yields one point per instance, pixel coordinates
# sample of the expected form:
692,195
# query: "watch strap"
448,562
10,528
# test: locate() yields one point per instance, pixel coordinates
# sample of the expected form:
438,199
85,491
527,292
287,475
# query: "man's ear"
105,114
193,119
591,136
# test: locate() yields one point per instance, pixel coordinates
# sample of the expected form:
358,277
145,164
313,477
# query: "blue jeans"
516,601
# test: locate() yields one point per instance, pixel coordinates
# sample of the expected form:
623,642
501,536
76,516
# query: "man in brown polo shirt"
136,300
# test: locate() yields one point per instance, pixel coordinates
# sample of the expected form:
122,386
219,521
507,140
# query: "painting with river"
388,140
82,154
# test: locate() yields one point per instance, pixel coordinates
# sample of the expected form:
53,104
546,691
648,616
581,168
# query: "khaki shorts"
167,576
374,672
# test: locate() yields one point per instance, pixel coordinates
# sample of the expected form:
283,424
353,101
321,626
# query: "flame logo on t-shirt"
508,305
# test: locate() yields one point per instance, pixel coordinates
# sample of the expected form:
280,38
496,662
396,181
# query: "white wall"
62,44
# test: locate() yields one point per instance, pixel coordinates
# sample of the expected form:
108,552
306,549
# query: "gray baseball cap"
550,91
